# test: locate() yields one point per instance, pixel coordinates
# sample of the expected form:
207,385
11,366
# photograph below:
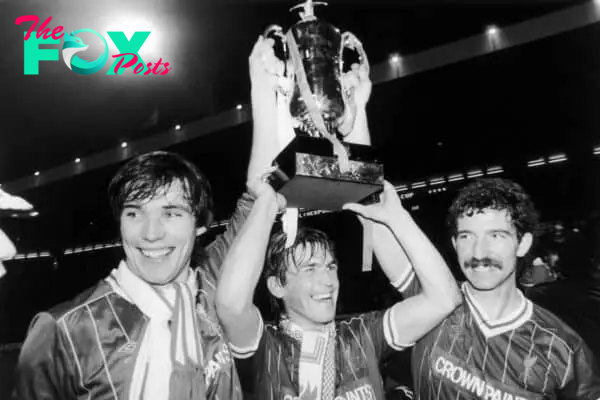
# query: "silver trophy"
318,170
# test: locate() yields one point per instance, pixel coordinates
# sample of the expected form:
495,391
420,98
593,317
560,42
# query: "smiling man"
148,330
498,344
308,354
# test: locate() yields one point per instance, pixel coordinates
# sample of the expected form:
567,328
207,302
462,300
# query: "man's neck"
306,325
500,302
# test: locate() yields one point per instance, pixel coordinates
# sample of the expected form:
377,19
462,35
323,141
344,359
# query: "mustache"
482,262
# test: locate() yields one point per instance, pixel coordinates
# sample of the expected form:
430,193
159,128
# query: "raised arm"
417,315
263,67
241,271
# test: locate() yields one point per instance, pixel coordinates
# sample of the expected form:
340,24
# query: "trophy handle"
350,41
346,121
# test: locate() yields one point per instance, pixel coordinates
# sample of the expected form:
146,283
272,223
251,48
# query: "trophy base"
309,176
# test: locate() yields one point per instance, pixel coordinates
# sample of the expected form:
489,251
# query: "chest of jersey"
458,361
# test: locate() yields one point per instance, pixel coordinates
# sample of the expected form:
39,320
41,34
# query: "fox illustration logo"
73,44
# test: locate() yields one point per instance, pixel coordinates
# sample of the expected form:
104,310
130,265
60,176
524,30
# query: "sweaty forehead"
310,253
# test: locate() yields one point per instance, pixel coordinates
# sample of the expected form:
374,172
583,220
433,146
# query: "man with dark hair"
149,330
309,354
498,344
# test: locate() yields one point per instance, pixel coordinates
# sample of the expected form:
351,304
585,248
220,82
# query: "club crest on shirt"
528,364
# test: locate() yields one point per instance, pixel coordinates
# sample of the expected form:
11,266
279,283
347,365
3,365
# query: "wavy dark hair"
279,258
145,176
495,194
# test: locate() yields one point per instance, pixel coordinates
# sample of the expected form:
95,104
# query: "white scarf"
158,352
316,372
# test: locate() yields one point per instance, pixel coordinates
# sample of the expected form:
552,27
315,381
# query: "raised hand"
389,207
358,85
260,188
265,68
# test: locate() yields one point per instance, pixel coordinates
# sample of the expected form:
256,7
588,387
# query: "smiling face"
311,289
158,235
488,247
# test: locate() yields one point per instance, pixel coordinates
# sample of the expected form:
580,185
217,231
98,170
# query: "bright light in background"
77,160
537,162
155,47
494,170
557,158
239,107
36,173
492,30
475,173
124,144
456,177
395,58
177,127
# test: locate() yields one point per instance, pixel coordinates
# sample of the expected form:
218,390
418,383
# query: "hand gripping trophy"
318,169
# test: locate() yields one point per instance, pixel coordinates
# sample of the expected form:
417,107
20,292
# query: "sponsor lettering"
363,392
470,382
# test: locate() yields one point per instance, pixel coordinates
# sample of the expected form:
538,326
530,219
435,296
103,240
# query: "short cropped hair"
145,176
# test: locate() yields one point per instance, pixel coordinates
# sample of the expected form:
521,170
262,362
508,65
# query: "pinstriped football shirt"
361,343
530,354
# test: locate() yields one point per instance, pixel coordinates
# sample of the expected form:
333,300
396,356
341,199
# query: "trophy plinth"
309,176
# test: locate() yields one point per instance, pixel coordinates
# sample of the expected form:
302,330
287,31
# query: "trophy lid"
308,13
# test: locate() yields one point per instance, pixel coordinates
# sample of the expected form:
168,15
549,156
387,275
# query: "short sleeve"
374,329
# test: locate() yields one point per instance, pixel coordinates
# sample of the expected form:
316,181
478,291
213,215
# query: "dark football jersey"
361,342
220,374
530,354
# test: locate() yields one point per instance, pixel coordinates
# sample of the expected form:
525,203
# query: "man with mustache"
497,344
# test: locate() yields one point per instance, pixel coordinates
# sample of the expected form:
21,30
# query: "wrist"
267,202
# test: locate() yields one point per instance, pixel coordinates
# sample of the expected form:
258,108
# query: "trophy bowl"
318,170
